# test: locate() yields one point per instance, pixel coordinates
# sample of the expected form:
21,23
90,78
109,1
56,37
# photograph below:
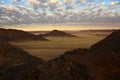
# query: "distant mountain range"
58,33
100,62
98,30
93,31
18,35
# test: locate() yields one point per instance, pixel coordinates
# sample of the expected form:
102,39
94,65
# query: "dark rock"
16,64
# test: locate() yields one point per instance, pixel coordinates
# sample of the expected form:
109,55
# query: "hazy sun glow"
42,27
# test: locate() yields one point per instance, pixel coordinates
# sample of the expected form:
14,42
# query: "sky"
104,13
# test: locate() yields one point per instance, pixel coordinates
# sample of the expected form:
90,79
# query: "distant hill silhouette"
99,30
58,33
18,35
100,62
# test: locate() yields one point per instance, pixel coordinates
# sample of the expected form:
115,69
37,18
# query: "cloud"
114,3
81,1
90,0
86,1
58,11
54,1
33,1
14,1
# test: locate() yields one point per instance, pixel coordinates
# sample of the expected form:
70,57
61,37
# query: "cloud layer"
59,11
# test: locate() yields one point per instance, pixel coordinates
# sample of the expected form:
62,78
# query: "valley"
58,45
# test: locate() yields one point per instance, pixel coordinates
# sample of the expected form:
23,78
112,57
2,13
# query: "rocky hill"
110,43
18,35
16,64
100,62
58,33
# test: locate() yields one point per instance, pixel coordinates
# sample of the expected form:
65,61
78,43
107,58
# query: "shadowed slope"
10,54
109,44
16,64
18,35
62,68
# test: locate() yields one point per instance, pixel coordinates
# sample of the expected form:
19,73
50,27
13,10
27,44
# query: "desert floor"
58,45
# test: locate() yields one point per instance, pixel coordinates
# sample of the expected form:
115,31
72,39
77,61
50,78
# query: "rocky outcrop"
18,35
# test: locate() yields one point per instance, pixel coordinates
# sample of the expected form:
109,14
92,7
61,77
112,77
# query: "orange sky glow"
43,27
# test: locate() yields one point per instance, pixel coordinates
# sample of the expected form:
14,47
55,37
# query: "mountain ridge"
18,35
110,43
16,64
